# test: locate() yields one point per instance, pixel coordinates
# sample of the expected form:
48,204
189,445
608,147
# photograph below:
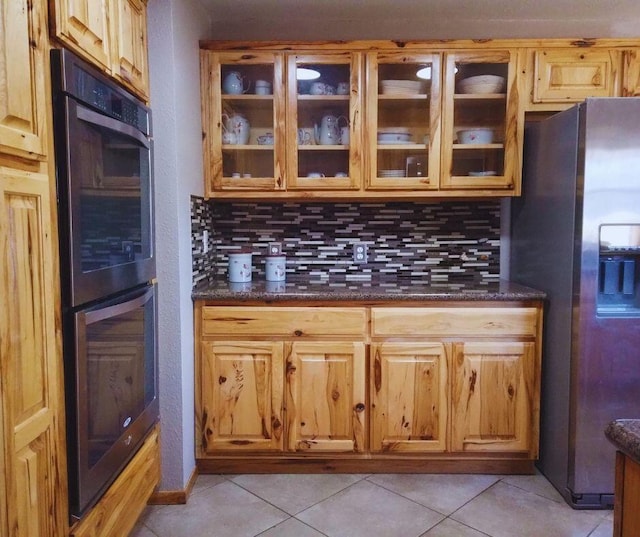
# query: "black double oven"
105,210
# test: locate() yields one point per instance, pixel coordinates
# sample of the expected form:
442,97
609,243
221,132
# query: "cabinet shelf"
401,147
480,96
403,97
323,98
477,147
246,147
247,97
326,147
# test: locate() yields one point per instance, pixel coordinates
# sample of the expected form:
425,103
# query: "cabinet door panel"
493,396
631,74
84,26
570,76
22,84
130,35
325,396
30,391
241,396
409,396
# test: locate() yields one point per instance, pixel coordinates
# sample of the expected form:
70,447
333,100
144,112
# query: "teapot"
233,84
328,133
238,125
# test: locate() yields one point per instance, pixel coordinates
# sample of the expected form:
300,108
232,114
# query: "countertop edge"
624,434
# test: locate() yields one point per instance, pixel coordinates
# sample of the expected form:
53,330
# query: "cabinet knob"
359,407
297,333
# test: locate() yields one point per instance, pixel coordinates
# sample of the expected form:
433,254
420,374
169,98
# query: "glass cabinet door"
480,122
324,115
243,121
403,113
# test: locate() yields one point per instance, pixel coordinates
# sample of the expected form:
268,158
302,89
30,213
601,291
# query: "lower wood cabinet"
444,388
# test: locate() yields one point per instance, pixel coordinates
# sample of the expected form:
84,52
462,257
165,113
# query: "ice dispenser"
619,267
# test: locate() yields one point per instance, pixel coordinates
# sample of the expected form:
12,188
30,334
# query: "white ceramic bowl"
482,174
475,136
482,84
393,137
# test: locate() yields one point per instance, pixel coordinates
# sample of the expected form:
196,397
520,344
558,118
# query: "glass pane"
247,120
323,122
480,106
403,120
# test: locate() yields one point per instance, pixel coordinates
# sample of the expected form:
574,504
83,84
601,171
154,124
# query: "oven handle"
106,122
118,309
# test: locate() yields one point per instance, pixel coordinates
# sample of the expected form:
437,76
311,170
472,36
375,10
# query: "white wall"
175,27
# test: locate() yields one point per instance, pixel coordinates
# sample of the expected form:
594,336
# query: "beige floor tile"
507,511
441,492
141,531
367,510
451,528
291,528
605,529
295,492
537,484
206,481
224,510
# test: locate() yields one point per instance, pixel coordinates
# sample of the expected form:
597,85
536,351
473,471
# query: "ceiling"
422,19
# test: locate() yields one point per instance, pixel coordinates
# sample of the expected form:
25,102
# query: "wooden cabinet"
626,521
562,77
403,121
111,34
409,396
32,478
241,385
414,386
263,386
117,512
482,133
494,397
23,95
243,131
631,73
468,383
325,396
376,123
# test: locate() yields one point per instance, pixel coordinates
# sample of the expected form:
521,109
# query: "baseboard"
174,497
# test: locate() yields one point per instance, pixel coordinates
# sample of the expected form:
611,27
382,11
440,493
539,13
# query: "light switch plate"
275,248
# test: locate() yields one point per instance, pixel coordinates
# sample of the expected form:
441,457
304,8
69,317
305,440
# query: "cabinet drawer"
454,322
573,75
283,321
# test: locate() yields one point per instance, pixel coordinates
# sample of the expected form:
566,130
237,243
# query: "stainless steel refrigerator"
575,234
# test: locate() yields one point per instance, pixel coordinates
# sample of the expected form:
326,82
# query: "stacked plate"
482,84
391,173
400,87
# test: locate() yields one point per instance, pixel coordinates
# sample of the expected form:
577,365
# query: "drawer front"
283,321
454,322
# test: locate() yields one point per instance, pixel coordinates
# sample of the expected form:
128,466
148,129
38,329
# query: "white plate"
394,142
482,174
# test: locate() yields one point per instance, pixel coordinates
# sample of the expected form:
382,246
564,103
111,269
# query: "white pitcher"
233,84
328,133
237,124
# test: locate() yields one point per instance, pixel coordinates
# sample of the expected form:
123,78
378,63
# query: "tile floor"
384,505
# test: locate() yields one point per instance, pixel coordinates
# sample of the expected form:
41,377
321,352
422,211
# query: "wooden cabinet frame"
445,387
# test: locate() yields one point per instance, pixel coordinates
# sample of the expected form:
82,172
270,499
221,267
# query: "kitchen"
180,157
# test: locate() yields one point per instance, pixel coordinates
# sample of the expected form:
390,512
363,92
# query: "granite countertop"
625,435
363,290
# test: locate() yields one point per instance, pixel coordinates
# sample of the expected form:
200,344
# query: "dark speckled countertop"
365,290
625,435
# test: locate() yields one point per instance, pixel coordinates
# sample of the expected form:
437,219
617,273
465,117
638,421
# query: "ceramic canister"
275,268
240,266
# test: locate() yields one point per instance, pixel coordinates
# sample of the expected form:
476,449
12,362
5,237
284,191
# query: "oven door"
111,390
105,195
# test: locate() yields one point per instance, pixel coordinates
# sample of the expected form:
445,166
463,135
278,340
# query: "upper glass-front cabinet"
243,120
481,132
403,113
324,116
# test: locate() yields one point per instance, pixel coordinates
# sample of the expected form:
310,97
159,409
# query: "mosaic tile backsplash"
437,242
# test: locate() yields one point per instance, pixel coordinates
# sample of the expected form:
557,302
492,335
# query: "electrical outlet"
360,253
275,248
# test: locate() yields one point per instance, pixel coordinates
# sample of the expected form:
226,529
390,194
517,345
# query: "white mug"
318,88
305,136
275,268
343,88
315,175
263,87
240,267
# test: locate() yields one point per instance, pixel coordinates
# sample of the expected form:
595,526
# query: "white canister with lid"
275,268
240,266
